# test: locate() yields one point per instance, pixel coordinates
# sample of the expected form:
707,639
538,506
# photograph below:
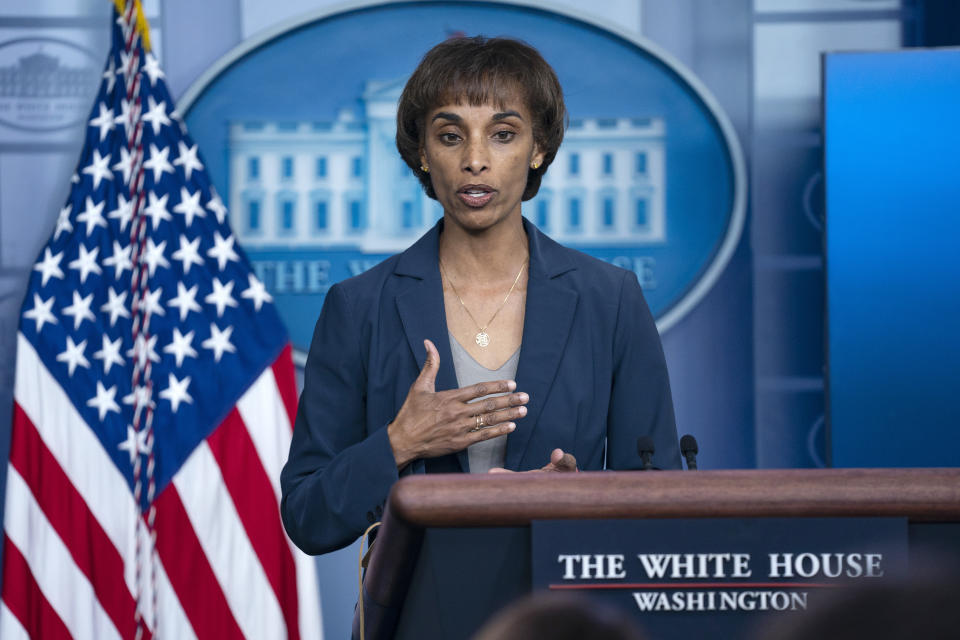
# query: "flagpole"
136,31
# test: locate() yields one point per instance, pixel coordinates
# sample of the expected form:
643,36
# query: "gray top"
486,454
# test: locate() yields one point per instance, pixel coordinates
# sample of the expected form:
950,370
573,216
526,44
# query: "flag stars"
80,310
144,349
92,215
140,397
158,162
151,303
156,115
125,59
185,300
219,342
73,356
123,212
116,306
86,263
104,401
104,121
41,311
257,292
188,253
154,256
222,250
221,297
216,205
157,209
124,117
125,165
63,222
109,353
152,68
181,347
98,169
120,259
176,392
112,120
188,159
49,266
136,442
176,116
189,205
110,75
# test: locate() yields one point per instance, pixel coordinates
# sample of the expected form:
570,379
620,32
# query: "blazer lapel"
421,320
546,328
422,313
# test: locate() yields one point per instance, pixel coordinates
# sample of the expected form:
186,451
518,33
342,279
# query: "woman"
534,356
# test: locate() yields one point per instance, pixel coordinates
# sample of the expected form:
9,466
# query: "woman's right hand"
433,423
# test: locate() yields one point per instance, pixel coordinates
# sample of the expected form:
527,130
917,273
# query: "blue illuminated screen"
892,171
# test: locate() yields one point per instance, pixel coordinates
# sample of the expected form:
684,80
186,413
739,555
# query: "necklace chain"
482,338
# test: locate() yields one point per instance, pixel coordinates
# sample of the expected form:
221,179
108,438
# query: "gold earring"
534,165
424,168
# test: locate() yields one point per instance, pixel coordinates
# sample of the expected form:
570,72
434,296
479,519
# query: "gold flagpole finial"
142,27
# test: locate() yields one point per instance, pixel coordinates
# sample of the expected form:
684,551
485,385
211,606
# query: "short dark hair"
480,71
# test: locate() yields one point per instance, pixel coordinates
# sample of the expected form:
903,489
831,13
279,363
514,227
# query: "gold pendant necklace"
482,338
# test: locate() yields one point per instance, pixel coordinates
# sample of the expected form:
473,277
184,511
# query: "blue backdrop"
893,268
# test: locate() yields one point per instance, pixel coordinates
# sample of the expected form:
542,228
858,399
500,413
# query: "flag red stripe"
73,521
286,382
253,496
189,571
26,602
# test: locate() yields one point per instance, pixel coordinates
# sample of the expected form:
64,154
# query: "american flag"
154,399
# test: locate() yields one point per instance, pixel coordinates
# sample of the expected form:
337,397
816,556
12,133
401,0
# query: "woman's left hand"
559,461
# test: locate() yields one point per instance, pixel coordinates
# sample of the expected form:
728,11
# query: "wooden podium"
455,548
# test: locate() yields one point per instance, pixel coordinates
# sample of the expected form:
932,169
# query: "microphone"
645,450
689,449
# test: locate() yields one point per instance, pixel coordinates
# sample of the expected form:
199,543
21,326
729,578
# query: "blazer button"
370,518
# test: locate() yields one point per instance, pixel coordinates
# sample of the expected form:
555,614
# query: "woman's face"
478,158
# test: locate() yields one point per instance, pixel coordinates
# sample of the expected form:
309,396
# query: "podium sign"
463,543
679,577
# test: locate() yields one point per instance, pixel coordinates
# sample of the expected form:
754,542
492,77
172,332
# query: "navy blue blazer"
590,360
